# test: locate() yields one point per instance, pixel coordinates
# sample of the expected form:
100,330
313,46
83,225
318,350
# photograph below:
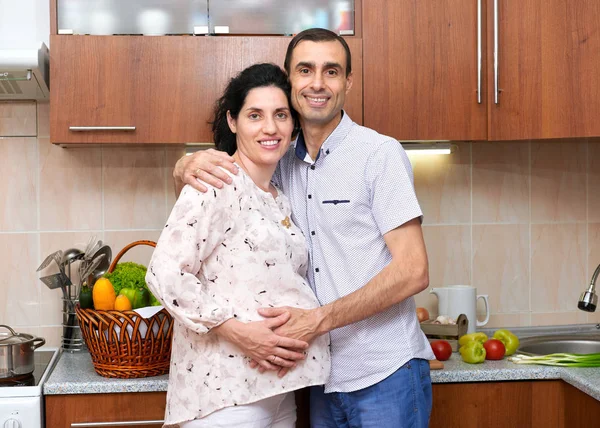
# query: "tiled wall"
55,198
520,221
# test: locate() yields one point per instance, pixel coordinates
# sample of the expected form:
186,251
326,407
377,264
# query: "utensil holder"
71,339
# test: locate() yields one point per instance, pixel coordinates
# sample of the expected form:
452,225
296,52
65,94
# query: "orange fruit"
104,295
122,303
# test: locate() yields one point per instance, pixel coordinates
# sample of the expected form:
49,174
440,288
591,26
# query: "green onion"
562,360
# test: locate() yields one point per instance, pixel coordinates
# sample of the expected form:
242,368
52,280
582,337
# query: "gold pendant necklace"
286,222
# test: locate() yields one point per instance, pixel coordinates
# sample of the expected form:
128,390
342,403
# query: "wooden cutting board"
435,365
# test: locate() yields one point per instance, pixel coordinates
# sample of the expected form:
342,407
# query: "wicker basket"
122,343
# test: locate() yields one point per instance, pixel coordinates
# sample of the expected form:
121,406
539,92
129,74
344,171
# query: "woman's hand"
204,166
259,343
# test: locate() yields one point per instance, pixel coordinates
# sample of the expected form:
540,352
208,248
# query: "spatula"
56,256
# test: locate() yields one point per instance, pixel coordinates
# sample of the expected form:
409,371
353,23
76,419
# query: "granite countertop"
74,374
456,371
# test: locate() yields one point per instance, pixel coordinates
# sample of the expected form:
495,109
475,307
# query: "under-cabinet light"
436,148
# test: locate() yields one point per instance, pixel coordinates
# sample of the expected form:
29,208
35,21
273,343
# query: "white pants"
273,412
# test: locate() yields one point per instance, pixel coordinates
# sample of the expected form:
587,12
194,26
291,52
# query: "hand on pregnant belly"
302,325
260,343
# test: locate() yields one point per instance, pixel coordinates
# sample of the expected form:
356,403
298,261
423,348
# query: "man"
352,195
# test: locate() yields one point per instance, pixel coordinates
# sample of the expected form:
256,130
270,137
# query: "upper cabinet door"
421,69
280,16
548,62
135,89
160,17
154,89
150,17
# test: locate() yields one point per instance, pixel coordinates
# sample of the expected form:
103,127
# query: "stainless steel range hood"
25,74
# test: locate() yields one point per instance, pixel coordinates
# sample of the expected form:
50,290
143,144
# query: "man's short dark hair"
316,35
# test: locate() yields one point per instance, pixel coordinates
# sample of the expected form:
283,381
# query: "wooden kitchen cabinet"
540,403
165,87
64,410
421,69
549,57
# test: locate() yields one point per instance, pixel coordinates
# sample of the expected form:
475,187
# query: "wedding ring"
273,359
197,171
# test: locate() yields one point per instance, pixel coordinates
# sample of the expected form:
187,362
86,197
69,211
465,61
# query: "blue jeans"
402,400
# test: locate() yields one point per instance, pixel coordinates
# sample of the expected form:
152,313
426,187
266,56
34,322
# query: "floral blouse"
224,254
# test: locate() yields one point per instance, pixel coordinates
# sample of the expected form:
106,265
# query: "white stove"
21,399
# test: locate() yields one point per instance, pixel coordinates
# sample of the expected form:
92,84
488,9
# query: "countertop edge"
139,385
61,380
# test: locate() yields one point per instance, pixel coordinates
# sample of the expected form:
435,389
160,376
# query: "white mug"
454,300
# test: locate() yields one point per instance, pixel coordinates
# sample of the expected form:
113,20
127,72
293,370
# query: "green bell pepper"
473,352
510,341
478,337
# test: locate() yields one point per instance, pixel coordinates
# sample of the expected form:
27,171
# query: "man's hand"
259,343
204,166
303,323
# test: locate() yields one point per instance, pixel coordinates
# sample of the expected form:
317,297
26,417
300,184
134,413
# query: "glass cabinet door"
148,17
280,16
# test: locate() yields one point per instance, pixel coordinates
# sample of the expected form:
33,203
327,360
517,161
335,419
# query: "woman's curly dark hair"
234,96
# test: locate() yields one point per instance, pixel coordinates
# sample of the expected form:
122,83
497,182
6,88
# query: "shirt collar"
331,143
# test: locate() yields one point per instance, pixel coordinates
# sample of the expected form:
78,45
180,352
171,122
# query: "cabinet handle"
479,51
114,424
101,128
496,89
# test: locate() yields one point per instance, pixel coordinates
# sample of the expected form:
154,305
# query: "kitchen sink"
551,344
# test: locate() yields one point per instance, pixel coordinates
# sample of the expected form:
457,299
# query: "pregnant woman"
223,255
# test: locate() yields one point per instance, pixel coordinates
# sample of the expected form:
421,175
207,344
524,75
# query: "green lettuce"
128,275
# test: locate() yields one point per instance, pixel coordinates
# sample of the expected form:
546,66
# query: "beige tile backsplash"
444,186
558,182
518,220
55,198
531,239
501,182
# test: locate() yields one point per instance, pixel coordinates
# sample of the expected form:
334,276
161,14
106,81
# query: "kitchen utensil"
16,353
93,265
102,268
56,256
92,247
88,254
89,245
69,256
57,280
461,299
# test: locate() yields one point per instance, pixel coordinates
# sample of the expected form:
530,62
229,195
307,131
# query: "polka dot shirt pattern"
359,188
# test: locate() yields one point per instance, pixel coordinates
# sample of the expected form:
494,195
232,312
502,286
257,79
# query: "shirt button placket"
311,209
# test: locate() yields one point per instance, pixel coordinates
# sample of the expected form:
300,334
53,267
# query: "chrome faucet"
588,299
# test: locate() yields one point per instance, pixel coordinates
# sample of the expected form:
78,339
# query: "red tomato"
441,349
494,349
